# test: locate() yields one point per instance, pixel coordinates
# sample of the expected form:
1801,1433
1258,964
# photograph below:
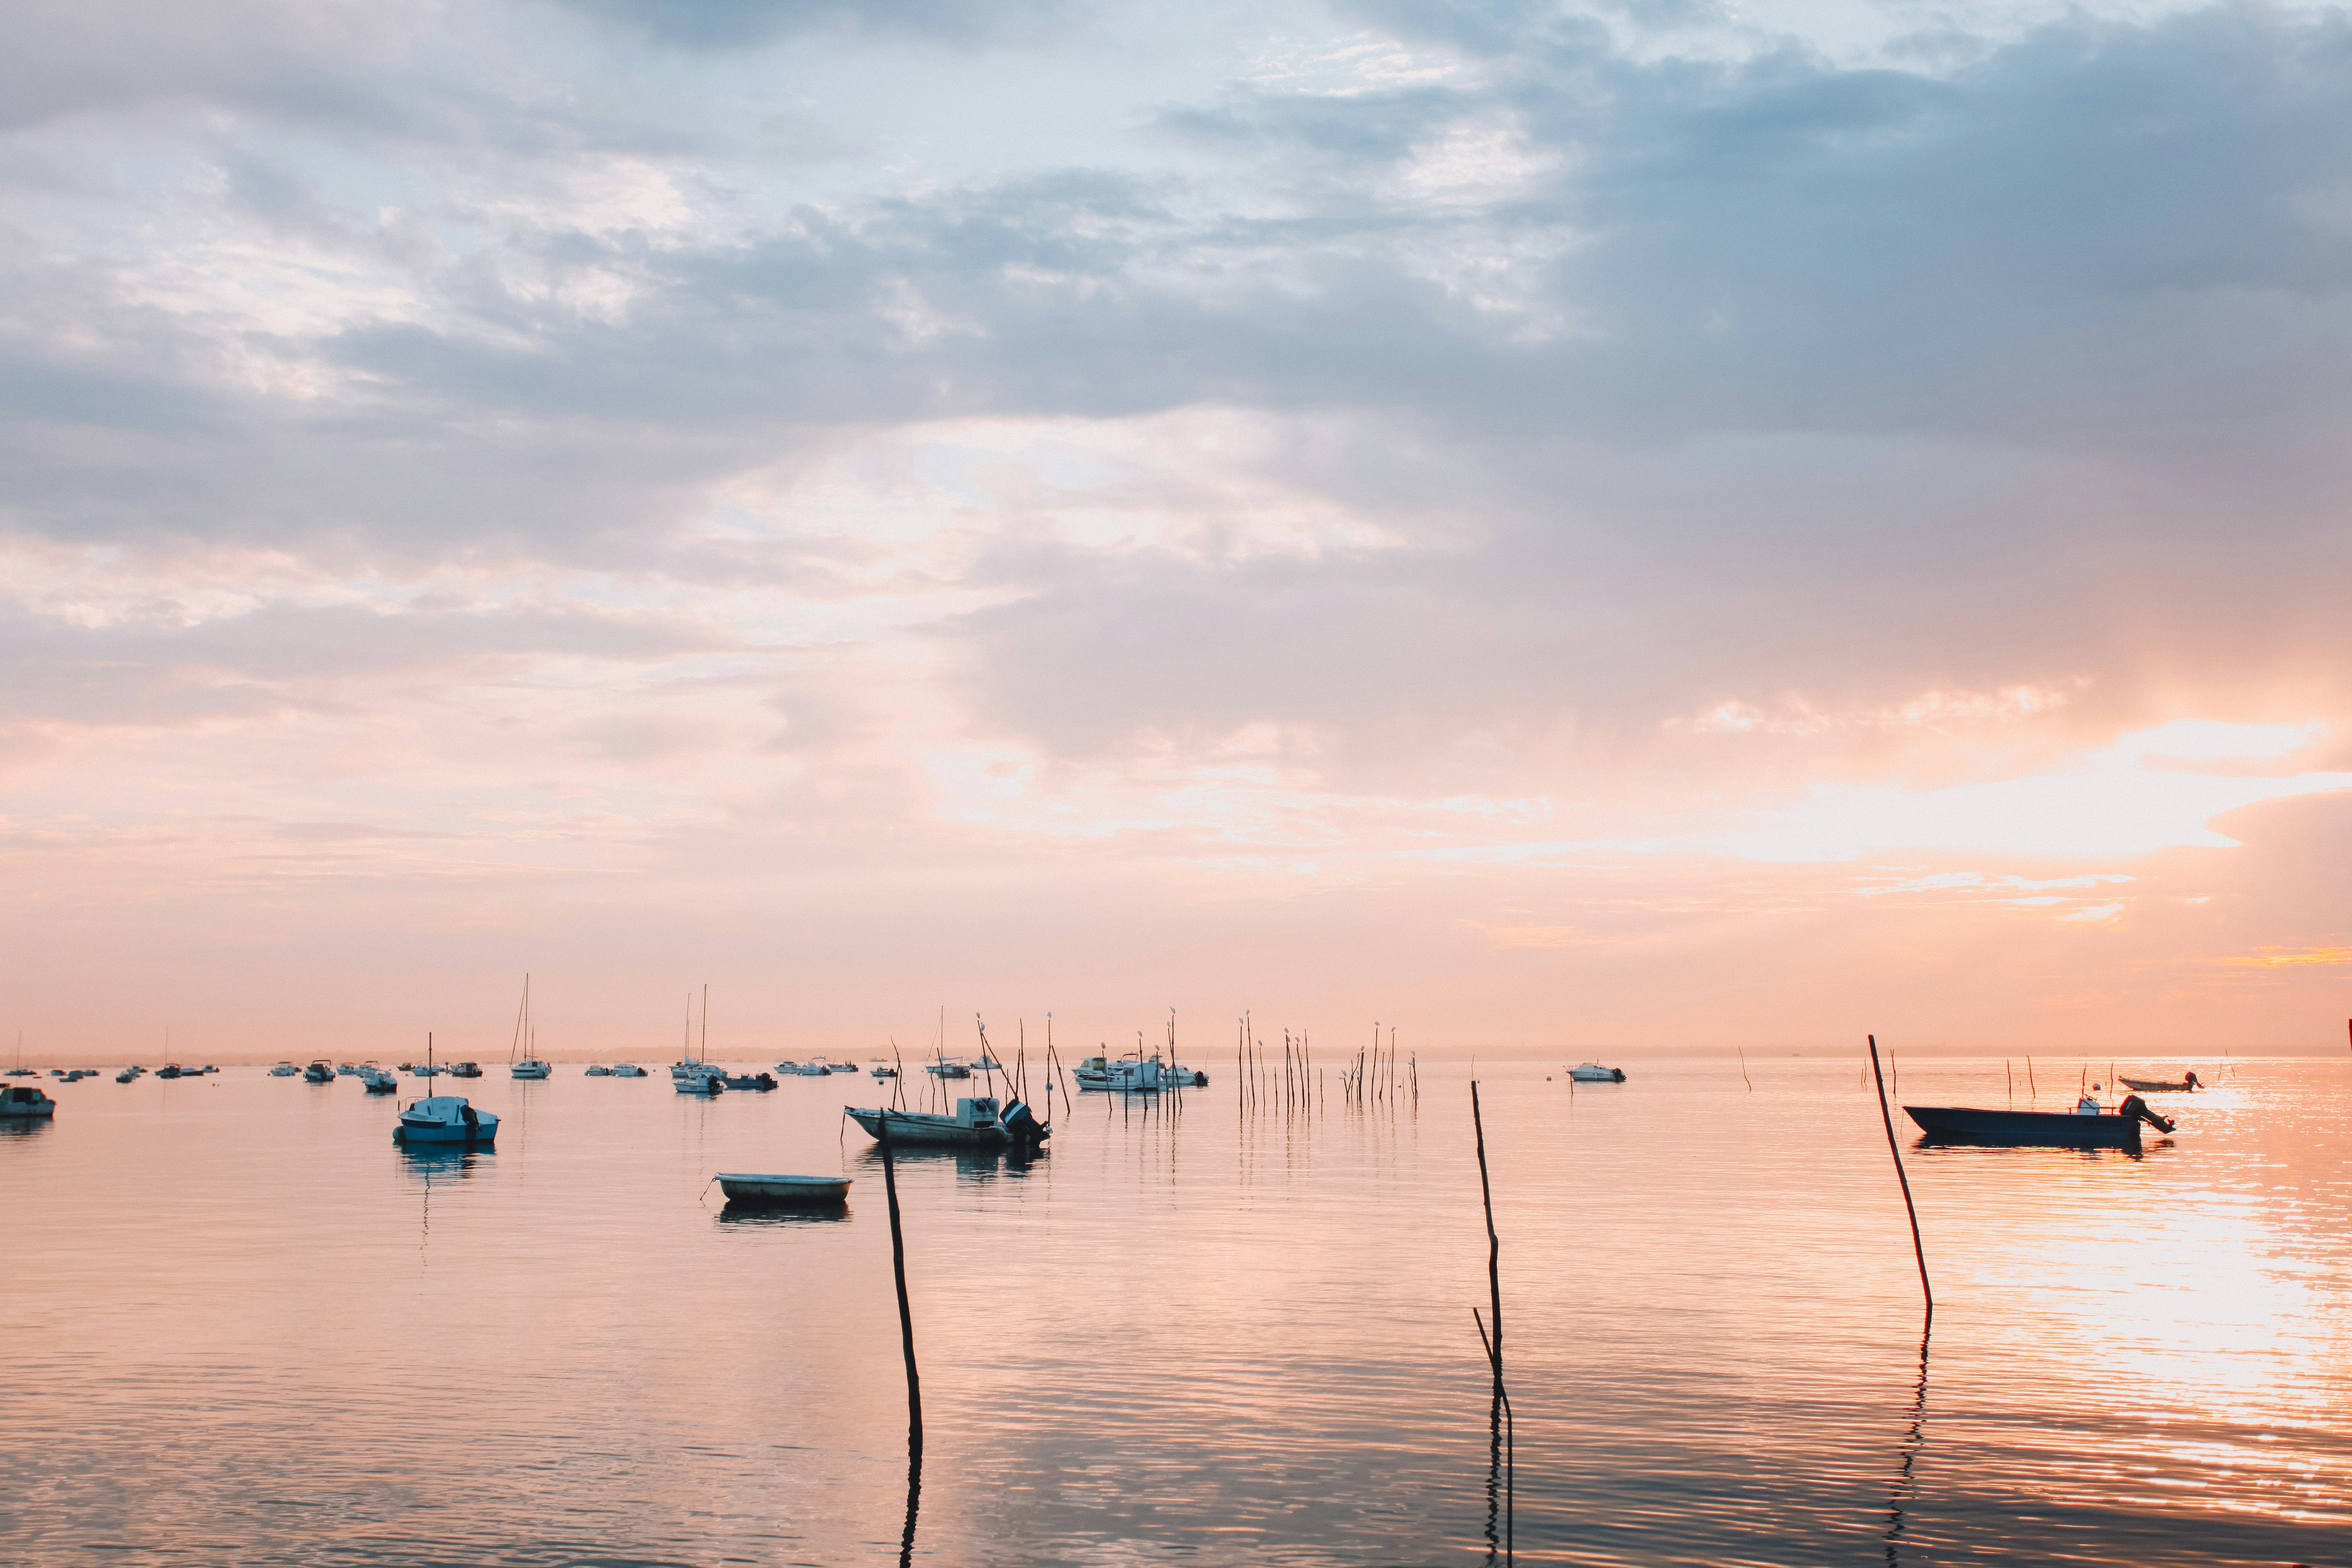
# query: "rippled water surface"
242,1327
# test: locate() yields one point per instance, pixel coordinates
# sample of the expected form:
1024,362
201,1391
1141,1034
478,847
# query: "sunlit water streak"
242,1327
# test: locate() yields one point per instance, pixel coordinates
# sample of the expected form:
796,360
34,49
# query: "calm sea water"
241,1326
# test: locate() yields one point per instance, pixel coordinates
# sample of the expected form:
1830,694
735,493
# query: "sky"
1636,529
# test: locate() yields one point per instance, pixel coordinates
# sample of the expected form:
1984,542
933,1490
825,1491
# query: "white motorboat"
598,1069
628,1070
128,1075
464,1069
375,1080
531,1067
23,1102
745,1188
815,1068
885,1071
947,1069
1135,1075
713,1081
426,1069
1593,1072
346,1069
285,1069
444,1119
322,1071
979,1122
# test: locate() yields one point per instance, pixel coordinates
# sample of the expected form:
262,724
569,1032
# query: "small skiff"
2067,1130
977,1123
1593,1072
2188,1084
746,1188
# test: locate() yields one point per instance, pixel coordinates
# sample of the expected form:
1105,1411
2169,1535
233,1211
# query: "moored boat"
321,1072
2188,1084
749,1080
444,1119
23,1102
979,1122
743,1187
1593,1072
628,1070
1135,1074
597,1069
375,1080
285,1069
464,1069
2079,1129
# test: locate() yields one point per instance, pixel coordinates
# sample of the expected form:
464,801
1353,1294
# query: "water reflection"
2073,1154
735,1211
969,1164
1906,1475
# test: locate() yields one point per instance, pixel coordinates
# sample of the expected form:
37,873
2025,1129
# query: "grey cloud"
1776,322
155,671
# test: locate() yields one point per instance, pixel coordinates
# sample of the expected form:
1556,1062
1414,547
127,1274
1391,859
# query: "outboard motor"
2133,1106
1617,1075
1021,1124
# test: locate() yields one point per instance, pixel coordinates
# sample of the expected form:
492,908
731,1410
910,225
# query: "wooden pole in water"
898,1276
1494,1242
1743,1070
1494,1305
1918,1248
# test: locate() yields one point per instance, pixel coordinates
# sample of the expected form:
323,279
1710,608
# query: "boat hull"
743,1187
2146,1088
917,1127
1956,1123
486,1133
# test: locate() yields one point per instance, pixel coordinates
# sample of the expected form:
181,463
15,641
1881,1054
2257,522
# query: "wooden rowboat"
747,1188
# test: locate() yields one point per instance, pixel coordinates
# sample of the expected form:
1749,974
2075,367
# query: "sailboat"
531,1066
689,1074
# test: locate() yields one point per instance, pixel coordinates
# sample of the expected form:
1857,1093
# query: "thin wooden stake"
1918,1248
906,1314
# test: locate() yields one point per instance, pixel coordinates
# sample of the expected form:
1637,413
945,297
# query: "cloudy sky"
1640,527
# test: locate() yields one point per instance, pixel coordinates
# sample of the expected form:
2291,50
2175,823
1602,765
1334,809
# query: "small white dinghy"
1593,1072
742,1188
444,1119
628,1070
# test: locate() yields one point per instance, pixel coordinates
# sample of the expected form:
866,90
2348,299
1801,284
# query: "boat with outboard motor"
23,1102
321,1072
744,1187
375,1080
285,1069
1593,1072
629,1070
815,1067
979,1122
2188,1084
444,1119
760,1080
2089,1125
597,1069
